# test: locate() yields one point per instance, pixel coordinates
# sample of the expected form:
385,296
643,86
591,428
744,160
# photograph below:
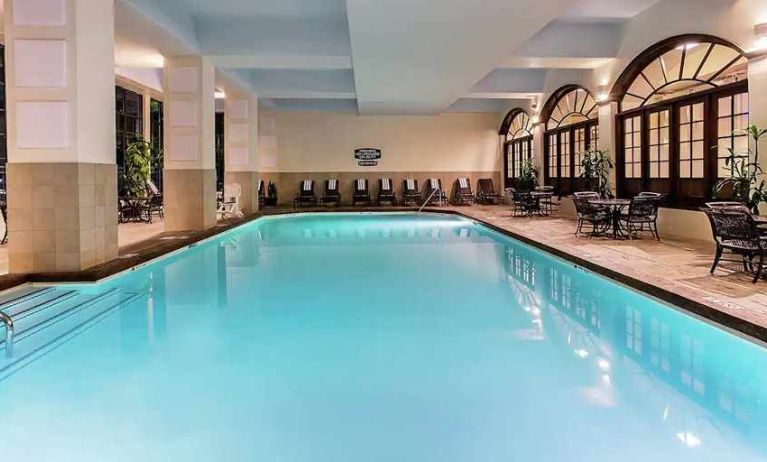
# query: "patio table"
539,195
614,207
135,206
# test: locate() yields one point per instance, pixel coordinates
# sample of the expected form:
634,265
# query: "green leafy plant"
528,176
138,163
745,182
596,165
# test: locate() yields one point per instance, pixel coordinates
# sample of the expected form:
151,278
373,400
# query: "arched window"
572,127
517,128
680,102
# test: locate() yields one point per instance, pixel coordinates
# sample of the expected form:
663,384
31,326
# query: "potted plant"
744,183
596,165
137,166
271,195
528,176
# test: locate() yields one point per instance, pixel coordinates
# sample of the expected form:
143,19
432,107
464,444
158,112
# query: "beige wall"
325,142
321,145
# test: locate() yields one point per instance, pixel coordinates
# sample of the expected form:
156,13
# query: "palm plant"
596,165
138,162
746,174
528,176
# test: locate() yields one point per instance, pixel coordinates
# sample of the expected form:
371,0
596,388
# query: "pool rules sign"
367,157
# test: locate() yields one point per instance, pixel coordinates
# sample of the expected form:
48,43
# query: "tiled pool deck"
675,271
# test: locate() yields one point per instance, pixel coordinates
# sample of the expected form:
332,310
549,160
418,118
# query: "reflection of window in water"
660,345
691,364
521,268
634,330
553,285
566,291
737,400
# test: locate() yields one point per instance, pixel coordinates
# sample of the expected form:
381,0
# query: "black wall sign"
367,157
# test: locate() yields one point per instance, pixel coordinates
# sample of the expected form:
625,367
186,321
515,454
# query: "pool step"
46,319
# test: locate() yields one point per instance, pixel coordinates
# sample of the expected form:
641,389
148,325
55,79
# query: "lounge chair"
410,192
434,191
462,193
386,192
332,194
305,194
155,202
261,193
361,192
230,205
486,193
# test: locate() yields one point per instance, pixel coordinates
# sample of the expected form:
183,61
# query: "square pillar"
62,177
757,95
240,156
189,176
607,133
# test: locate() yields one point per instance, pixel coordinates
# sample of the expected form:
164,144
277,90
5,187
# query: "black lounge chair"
486,193
410,192
386,192
434,192
154,203
736,231
261,193
361,192
305,194
642,216
462,194
589,214
332,194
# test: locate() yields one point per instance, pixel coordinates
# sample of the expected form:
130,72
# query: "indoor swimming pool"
372,337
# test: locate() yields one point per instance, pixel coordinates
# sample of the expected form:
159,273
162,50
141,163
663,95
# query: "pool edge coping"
101,273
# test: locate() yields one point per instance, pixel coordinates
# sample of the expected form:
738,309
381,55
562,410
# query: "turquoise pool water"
381,338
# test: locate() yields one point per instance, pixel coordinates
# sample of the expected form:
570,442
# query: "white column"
241,145
189,123
62,183
757,94
538,151
607,135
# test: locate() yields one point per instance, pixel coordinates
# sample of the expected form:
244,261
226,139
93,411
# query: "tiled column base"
190,199
61,216
248,182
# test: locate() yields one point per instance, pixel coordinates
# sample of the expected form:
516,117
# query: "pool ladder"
436,190
33,303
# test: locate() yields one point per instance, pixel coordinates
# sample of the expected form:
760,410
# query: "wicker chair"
642,216
524,204
736,231
589,214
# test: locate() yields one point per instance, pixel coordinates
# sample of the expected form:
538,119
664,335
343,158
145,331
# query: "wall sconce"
219,94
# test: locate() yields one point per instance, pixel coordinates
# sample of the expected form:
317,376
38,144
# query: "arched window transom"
574,107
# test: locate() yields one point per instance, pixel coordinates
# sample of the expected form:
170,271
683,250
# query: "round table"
538,195
615,207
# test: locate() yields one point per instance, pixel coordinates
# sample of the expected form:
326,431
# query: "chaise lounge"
361,192
305,194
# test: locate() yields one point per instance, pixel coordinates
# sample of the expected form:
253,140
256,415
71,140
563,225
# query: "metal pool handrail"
8,333
438,189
